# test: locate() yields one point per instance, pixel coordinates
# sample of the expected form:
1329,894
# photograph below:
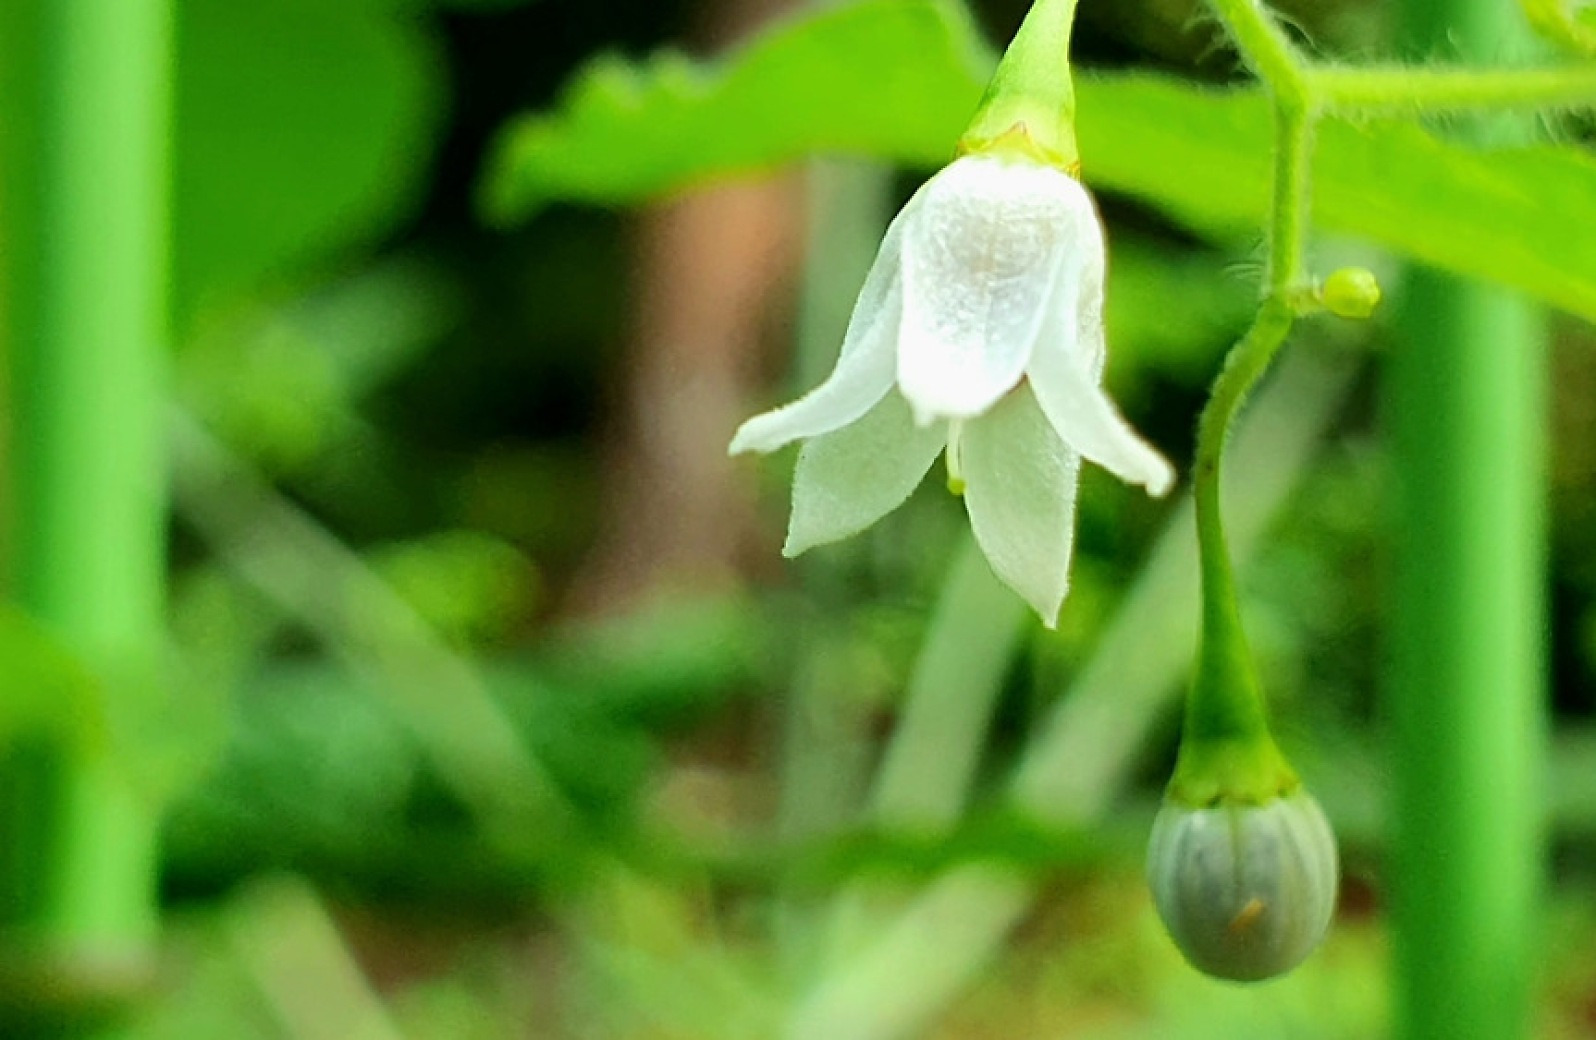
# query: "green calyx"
1211,773
1029,108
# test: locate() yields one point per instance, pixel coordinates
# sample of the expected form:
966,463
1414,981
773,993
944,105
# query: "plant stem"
1466,406
1251,356
1408,89
89,173
1086,748
1225,718
1298,81
1263,45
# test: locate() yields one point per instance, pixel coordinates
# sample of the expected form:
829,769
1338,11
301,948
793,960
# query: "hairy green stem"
1226,750
1288,230
1245,364
1299,81
86,173
1264,46
1414,89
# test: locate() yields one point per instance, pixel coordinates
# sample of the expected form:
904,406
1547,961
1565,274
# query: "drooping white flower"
978,331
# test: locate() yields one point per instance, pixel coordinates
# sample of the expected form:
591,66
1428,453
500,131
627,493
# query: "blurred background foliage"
498,715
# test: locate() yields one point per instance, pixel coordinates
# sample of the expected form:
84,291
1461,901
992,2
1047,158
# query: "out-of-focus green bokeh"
494,711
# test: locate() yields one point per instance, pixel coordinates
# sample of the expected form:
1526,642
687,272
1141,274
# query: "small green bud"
1351,292
1246,891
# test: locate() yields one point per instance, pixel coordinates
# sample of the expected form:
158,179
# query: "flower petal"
865,366
1020,482
1087,343
981,259
1066,372
1081,412
847,480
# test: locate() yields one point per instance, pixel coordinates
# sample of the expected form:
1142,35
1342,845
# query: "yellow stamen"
953,457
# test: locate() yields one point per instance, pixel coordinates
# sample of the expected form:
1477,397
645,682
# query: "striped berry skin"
1246,891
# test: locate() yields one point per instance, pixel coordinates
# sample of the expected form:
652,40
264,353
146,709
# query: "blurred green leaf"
1204,158
319,773
896,79
665,663
1149,281
301,128
875,78
469,586
283,381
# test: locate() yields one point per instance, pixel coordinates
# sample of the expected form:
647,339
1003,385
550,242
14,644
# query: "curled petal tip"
1143,465
1160,478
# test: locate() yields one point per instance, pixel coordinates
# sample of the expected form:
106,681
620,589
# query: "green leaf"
1204,158
896,79
300,132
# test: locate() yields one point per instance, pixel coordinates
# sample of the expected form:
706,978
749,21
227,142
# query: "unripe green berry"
1351,292
1246,891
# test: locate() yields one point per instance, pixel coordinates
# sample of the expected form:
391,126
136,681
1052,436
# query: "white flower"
979,330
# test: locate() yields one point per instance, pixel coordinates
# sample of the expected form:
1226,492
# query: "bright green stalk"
87,214
1467,411
1264,45
1226,750
1405,89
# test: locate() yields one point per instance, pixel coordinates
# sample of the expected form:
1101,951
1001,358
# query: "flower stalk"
1465,692
1227,754
1226,751
85,334
1236,905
